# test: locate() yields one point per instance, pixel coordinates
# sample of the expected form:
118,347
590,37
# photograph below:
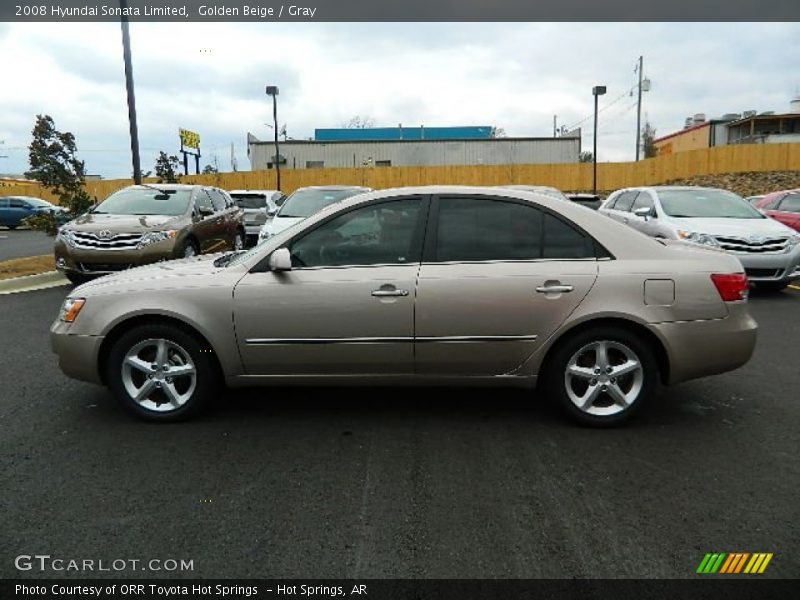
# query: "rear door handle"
389,293
554,289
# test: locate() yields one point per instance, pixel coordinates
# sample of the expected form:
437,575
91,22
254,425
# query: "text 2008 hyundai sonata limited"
425,285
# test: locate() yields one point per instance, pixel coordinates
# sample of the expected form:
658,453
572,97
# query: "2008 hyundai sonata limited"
426,285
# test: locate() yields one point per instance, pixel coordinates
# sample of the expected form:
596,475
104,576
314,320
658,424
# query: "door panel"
488,318
327,321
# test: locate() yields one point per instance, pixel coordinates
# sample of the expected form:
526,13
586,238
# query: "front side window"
219,201
625,201
372,235
790,203
643,200
204,202
474,230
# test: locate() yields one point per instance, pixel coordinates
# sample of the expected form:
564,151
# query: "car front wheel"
161,372
601,376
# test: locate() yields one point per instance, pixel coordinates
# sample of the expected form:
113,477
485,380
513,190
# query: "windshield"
250,200
145,201
706,204
304,203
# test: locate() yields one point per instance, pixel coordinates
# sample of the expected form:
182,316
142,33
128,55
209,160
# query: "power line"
605,108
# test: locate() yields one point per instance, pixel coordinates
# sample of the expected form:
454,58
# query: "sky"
211,78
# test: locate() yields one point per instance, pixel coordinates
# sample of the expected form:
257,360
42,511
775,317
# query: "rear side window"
475,230
3,202
790,203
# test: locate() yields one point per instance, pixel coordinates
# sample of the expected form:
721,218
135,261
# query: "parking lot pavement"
18,243
398,483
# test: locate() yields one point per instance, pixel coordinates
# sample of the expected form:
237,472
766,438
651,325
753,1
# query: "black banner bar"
266,11
709,587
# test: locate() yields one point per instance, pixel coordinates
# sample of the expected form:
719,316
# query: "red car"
782,206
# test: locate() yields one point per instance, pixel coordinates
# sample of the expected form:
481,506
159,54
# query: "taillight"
731,286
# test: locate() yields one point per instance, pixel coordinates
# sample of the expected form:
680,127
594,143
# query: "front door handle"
389,293
554,289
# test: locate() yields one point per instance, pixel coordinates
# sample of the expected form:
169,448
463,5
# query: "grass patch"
30,265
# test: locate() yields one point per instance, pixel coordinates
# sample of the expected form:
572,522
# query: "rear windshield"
706,204
304,203
250,200
145,201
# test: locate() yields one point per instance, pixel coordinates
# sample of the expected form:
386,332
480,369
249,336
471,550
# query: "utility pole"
555,126
126,54
639,109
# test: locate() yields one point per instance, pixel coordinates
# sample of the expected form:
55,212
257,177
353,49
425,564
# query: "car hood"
126,223
733,227
278,224
184,272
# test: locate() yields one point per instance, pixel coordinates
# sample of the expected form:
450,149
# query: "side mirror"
271,212
280,260
280,201
644,211
205,211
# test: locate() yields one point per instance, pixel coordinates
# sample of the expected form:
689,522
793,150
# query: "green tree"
648,141
167,168
585,157
210,170
53,160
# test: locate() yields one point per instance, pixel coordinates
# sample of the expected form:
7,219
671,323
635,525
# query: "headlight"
794,240
154,237
65,235
70,309
698,238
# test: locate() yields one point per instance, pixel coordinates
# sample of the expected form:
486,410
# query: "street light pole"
272,90
134,129
639,111
597,90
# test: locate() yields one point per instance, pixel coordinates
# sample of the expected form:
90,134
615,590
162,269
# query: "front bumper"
103,262
78,355
700,348
771,267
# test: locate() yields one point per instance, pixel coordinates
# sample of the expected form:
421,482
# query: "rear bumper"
700,348
77,354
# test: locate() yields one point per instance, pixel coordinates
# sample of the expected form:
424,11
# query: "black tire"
77,278
771,286
206,372
556,378
188,249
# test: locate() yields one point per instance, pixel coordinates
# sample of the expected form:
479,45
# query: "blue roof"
372,134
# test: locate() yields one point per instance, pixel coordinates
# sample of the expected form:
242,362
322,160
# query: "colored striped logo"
735,562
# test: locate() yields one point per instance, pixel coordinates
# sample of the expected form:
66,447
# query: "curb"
30,283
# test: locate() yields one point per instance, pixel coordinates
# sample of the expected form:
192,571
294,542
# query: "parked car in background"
769,251
782,206
585,199
754,199
539,189
13,209
258,207
304,202
467,285
142,224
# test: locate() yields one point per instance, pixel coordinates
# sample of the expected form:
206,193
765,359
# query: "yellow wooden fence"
572,177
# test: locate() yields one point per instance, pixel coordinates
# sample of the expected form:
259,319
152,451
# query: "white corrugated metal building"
296,154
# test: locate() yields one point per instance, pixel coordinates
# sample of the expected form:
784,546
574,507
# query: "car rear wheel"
160,372
601,376
189,249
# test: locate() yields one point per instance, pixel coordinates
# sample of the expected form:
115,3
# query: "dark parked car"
15,208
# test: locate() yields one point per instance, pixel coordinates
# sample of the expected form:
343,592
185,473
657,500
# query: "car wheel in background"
238,241
77,278
601,376
189,249
161,372
771,286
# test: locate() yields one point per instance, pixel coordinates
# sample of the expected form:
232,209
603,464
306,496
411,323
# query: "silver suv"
768,250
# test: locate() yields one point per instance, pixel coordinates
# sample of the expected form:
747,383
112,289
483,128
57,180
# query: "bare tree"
359,122
648,141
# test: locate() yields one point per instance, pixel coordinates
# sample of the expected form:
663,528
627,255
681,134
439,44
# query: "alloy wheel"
159,375
604,378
